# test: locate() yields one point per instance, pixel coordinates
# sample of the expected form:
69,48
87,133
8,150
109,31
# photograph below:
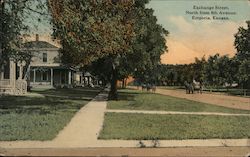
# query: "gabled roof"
38,44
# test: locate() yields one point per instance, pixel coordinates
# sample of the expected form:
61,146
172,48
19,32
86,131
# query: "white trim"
40,49
46,65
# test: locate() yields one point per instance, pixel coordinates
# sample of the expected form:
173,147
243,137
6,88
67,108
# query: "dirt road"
210,98
220,100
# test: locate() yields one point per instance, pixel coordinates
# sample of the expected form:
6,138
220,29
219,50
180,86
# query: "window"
45,57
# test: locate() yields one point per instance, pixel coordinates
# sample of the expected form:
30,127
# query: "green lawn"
138,100
41,115
129,126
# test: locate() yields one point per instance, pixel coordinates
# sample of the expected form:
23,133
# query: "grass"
41,115
138,100
129,126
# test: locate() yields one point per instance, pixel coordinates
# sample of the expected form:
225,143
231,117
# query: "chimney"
37,37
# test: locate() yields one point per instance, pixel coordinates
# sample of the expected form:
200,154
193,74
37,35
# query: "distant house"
85,79
46,69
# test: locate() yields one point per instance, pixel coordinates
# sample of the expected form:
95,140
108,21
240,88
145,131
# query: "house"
46,69
85,79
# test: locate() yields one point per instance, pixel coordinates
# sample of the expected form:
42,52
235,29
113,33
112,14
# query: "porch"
50,77
11,82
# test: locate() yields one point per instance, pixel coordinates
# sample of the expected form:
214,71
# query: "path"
173,112
220,100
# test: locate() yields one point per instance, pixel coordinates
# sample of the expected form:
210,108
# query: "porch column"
13,75
51,76
69,77
20,72
34,78
21,64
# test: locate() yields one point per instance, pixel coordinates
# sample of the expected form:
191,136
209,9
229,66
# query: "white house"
46,69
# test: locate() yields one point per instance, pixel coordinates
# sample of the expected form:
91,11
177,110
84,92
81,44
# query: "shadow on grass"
48,102
72,93
129,94
41,114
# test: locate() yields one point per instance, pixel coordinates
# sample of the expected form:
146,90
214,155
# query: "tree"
242,44
244,73
148,47
212,70
12,28
220,70
114,30
199,67
90,30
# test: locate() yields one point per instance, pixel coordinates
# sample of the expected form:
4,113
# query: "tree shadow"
48,102
72,93
130,95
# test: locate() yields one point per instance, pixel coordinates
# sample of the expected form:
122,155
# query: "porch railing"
21,87
4,83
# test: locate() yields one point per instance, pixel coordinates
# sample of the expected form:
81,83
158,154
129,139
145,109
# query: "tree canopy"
123,34
13,27
89,30
242,42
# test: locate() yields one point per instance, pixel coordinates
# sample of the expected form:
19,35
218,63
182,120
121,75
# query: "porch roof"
58,67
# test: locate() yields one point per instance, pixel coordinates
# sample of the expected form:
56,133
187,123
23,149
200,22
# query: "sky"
188,38
193,38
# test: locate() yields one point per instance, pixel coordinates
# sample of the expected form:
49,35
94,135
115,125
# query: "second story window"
45,57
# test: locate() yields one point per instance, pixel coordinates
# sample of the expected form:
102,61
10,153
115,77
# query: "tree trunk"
244,93
2,7
113,95
123,83
1,24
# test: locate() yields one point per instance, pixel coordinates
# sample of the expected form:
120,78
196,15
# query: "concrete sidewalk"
85,126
